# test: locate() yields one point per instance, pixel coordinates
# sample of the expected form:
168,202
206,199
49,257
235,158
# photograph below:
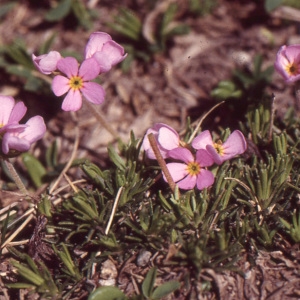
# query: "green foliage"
65,8
272,4
146,39
202,7
108,293
37,277
226,89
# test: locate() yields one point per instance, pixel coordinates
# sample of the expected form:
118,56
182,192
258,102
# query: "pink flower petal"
188,182
10,141
18,112
6,103
95,43
286,56
204,158
168,138
146,144
46,63
93,92
73,101
182,154
218,159
89,69
177,170
60,85
35,129
235,144
103,62
205,179
201,140
68,66
111,54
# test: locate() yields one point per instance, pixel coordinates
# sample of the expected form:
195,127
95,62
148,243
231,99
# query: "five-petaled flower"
287,62
106,51
166,137
234,145
46,63
77,82
191,173
15,136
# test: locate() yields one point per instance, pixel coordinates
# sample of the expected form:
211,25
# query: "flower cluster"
17,137
287,63
189,168
100,55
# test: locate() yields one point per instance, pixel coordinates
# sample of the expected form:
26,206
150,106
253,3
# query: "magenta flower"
191,173
235,144
46,63
20,138
166,137
10,113
106,51
287,63
77,82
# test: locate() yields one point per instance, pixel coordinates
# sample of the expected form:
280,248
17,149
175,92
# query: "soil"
171,86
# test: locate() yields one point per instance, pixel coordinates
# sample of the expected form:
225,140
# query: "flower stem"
161,162
16,177
100,118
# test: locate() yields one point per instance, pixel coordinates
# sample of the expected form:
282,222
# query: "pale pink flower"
191,173
287,63
20,138
235,144
106,51
77,81
10,113
166,137
46,63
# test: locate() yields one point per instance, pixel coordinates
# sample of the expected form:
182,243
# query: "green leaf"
165,289
35,169
28,274
45,47
59,12
81,14
116,159
148,283
107,293
51,155
272,4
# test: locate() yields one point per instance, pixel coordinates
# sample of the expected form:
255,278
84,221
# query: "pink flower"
235,144
191,173
46,63
106,51
166,137
10,113
287,63
77,82
20,138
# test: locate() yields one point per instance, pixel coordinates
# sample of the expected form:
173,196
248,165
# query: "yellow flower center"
219,148
76,82
292,69
193,168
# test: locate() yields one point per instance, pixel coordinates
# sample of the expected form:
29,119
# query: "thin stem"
161,162
201,120
113,210
100,118
16,177
68,165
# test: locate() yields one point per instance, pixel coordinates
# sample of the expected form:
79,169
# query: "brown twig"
161,161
